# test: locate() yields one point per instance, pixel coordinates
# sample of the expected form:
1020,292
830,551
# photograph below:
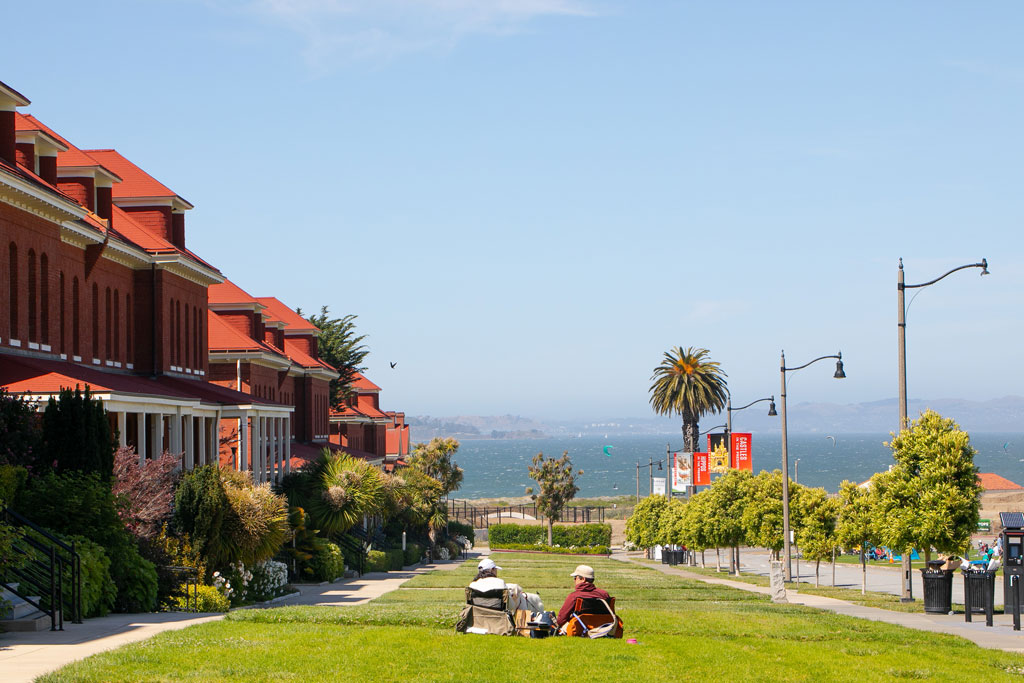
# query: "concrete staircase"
19,615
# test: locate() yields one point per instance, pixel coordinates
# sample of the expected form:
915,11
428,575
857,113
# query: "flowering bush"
269,579
442,553
464,542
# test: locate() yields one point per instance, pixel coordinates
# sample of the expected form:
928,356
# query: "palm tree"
688,384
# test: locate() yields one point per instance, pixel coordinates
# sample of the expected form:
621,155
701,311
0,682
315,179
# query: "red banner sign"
701,475
740,448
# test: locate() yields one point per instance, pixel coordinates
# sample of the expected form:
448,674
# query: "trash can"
938,590
664,554
674,556
979,591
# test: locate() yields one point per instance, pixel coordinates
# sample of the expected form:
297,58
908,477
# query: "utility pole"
638,481
651,474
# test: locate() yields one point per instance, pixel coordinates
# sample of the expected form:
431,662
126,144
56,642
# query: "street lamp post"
651,465
785,452
734,553
901,338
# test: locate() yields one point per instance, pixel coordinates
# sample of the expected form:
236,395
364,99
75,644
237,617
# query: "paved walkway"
1000,636
26,655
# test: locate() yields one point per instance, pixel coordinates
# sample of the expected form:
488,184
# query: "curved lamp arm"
983,265
770,398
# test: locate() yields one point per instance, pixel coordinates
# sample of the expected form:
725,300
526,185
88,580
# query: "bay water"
496,468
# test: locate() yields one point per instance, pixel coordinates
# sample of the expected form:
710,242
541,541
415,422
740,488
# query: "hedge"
329,562
413,553
579,535
581,550
384,560
207,599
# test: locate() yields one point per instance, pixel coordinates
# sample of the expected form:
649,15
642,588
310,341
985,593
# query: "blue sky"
526,202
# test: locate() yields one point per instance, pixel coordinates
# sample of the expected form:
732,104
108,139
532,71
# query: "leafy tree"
727,498
557,483
931,497
200,507
686,383
816,534
340,346
19,431
146,490
643,528
76,434
346,488
856,524
762,511
697,524
434,459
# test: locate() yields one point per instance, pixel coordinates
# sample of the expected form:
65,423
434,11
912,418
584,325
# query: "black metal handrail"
48,564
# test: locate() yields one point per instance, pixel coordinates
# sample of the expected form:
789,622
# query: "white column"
257,445
158,435
277,450
175,433
242,461
122,428
141,429
204,434
190,456
288,444
215,439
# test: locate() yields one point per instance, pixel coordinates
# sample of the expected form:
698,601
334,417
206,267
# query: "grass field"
687,629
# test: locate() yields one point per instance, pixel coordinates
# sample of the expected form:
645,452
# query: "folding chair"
487,612
594,618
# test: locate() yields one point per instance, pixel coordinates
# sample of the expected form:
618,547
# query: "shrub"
581,550
396,559
565,535
99,593
207,599
462,529
19,431
376,561
269,580
135,579
146,491
76,434
413,553
74,504
328,562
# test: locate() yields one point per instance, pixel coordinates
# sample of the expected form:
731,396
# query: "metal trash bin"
979,591
938,590
673,556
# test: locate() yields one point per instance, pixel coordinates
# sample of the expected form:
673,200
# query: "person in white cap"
583,582
487,579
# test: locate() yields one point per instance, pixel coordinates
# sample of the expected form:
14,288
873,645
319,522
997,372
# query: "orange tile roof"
360,382
126,226
134,181
224,337
228,292
281,312
994,482
73,156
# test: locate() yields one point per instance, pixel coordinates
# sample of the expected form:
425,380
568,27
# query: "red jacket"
585,590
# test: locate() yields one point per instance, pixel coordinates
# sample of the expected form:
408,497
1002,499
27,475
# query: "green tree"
931,497
76,434
762,511
725,512
435,459
856,524
643,528
687,384
557,485
346,488
816,534
19,431
697,524
340,345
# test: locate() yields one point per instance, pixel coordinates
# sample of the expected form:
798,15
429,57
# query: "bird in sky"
393,365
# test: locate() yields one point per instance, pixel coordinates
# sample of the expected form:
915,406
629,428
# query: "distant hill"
997,415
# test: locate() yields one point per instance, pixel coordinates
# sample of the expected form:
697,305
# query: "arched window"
32,294
188,339
107,325
63,314
13,303
76,328
129,327
95,320
117,324
44,299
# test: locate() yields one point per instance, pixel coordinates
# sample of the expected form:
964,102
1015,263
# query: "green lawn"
686,629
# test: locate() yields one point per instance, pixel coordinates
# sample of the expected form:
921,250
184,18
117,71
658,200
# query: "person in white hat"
487,579
583,587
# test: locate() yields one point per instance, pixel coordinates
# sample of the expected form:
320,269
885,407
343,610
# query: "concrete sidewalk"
1000,636
26,655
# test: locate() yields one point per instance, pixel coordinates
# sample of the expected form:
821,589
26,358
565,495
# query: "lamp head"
771,408
984,266
839,370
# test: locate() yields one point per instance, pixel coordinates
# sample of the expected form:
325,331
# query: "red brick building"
98,288
363,426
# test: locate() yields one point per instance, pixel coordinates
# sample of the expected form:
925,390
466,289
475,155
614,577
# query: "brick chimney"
10,99
104,201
